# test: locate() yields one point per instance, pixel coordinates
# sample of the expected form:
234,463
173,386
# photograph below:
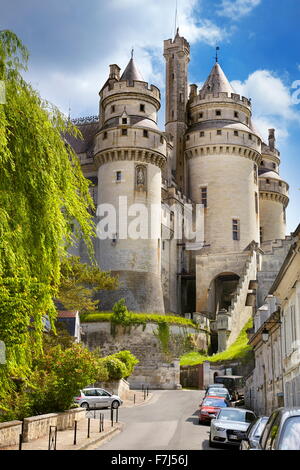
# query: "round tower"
223,153
273,193
130,151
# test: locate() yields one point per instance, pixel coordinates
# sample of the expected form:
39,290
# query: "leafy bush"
128,359
115,367
121,314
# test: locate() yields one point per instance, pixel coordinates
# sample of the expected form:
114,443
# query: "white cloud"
235,9
272,102
71,70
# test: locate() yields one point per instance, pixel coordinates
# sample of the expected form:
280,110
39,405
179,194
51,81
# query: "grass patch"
139,319
238,350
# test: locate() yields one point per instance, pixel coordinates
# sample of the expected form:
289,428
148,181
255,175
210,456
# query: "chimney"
114,72
272,139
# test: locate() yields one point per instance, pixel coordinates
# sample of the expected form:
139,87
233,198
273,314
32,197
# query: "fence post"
147,390
75,433
112,416
52,438
117,415
134,399
20,441
101,422
89,425
21,436
144,394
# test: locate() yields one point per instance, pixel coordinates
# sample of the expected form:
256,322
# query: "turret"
273,193
223,153
130,152
177,56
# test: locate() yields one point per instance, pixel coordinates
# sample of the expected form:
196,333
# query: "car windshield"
214,402
217,391
290,439
236,415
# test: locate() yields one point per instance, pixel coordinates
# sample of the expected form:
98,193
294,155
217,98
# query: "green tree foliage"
79,282
128,359
42,193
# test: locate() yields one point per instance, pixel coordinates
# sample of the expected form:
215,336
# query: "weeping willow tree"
42,193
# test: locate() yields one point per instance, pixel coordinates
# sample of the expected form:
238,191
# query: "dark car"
210,407
255,430
234,383
282,430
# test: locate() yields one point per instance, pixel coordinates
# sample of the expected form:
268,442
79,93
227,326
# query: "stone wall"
9,433
38,426
156,368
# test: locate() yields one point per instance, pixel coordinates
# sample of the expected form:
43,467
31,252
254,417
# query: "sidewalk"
65,439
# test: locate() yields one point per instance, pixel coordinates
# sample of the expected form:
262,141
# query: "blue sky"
72,43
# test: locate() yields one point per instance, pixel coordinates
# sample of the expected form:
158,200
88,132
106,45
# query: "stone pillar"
224,329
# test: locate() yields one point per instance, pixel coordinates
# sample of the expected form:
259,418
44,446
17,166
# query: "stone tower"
223,153
177,56
130,152
273,193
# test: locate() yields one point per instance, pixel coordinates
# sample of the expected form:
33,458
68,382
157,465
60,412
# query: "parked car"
230,426
210,407
214,386
234,383
251,440
97,398
282,431
218,392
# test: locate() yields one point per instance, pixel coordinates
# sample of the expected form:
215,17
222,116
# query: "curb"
108,434
140,404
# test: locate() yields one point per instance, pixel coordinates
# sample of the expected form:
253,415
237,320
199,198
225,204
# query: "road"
169,421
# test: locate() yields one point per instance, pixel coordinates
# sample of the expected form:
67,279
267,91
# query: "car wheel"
115,404
85,405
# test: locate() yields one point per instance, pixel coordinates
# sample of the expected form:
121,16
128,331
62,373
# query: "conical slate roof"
216,82
131,72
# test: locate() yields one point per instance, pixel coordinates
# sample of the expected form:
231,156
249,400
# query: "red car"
210,407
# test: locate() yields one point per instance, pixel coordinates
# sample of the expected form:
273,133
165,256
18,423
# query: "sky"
72,43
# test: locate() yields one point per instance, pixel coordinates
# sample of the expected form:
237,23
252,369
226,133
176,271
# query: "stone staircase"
229,323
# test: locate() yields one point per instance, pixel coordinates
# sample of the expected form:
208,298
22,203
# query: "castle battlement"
220,97
177,41
136,86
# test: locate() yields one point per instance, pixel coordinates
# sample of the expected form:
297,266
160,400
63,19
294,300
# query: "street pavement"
169,421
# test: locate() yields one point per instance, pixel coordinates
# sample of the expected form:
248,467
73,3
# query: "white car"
91,398
230,426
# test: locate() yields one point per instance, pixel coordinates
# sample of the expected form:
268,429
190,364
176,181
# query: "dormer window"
218,112
124,120
142,108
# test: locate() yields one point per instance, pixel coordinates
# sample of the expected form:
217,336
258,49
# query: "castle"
211,154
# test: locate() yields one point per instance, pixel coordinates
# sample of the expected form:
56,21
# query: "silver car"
230,426
97,398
